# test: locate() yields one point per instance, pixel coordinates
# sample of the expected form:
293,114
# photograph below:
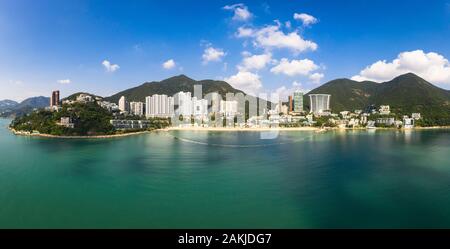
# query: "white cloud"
212,54
64,82
246,81
244,32
294,67
241,12
316,77
254,62
169,64
305,18
431,66
110,67
246,53
271,36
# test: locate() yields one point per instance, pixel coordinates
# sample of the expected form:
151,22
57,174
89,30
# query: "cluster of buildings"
374,117
182,103
289,114
56,105
319,105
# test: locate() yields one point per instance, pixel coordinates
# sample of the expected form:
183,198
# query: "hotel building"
319,103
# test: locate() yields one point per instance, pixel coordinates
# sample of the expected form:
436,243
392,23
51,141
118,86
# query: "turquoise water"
354,179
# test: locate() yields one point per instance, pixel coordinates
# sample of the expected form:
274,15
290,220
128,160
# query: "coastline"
21,133
220,129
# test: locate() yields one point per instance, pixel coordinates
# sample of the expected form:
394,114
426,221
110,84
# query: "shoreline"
222,129
21,133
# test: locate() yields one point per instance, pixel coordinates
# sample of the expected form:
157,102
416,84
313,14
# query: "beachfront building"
130,124
159,106
183,100
137,108
408,123
386,121
215,102
320,103
123,104
200,107
298,102
229,108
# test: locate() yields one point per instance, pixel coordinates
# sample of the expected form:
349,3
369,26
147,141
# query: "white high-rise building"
123,104
184,102
137,108
298,101
229,108
200,107
319,103
159,106
215,102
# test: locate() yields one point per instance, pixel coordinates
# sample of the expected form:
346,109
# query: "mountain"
26,106
405,94
7,104
172,86
346,94
34,102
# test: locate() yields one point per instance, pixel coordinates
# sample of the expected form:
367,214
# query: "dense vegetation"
405,94
89,119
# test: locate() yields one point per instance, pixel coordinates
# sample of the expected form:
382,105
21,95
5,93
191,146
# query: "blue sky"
104,47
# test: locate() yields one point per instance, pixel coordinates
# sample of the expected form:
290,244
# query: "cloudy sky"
104,47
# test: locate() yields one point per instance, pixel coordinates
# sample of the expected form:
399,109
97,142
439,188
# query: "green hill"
405,94
172,86
346,94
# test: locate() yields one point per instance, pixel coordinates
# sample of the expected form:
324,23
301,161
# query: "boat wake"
186,140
